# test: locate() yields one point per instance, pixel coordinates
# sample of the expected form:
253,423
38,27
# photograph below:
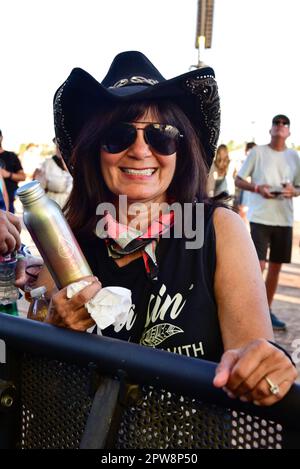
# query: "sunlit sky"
255,54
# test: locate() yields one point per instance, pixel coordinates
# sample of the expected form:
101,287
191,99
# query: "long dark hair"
89,188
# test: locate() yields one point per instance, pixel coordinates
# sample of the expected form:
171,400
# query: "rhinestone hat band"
134,81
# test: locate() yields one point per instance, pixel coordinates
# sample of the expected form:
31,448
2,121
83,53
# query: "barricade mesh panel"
57,397
163,420
55,403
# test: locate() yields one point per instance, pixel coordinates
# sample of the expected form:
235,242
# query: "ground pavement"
287,301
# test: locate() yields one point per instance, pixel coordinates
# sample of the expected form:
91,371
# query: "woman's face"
222,159
155,172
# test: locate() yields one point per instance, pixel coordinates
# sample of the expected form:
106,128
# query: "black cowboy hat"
133,77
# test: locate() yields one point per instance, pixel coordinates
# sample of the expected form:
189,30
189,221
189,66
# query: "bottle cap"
39,291
30,192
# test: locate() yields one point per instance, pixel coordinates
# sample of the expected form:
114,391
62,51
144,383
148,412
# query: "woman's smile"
139,173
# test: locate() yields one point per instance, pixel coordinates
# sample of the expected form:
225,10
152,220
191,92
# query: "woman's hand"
10,228
71,312
244,373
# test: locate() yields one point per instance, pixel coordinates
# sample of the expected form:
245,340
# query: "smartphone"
276,191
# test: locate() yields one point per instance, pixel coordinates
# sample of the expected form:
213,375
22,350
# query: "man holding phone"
275,179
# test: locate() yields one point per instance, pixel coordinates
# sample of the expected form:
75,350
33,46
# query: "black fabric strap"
283,350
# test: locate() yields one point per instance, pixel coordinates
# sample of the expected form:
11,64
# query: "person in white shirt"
55,178
275,179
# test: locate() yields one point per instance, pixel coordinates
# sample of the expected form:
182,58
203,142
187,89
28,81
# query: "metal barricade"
66,389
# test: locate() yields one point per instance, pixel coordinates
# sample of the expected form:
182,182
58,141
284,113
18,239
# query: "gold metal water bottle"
52,235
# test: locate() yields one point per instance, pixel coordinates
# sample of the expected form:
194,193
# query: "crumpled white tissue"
110,306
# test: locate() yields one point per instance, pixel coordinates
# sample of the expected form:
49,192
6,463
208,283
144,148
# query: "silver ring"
274,388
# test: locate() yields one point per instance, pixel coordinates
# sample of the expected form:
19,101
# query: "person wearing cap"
275,179
12,172
139,135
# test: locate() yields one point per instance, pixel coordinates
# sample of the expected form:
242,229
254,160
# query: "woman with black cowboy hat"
196,292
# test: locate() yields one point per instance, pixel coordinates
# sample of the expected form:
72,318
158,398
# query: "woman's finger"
275,361
71,316
10,228
84,295
14,220
8,243
270,399
263,389
14,232
53,317
84,324
89,278
251,358
224,368
59,306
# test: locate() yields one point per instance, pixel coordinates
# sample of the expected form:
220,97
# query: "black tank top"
177,312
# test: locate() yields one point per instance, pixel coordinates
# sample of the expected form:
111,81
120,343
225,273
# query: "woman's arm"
244,318
239,288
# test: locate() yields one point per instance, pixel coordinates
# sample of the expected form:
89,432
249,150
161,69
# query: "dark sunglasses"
162,138
279,121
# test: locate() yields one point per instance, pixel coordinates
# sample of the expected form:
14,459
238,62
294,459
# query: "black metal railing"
69,386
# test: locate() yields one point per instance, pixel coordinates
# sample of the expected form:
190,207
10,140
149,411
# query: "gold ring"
274,388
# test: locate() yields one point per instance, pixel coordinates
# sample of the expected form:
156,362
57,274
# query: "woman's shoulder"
212,208
224,215
229,228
